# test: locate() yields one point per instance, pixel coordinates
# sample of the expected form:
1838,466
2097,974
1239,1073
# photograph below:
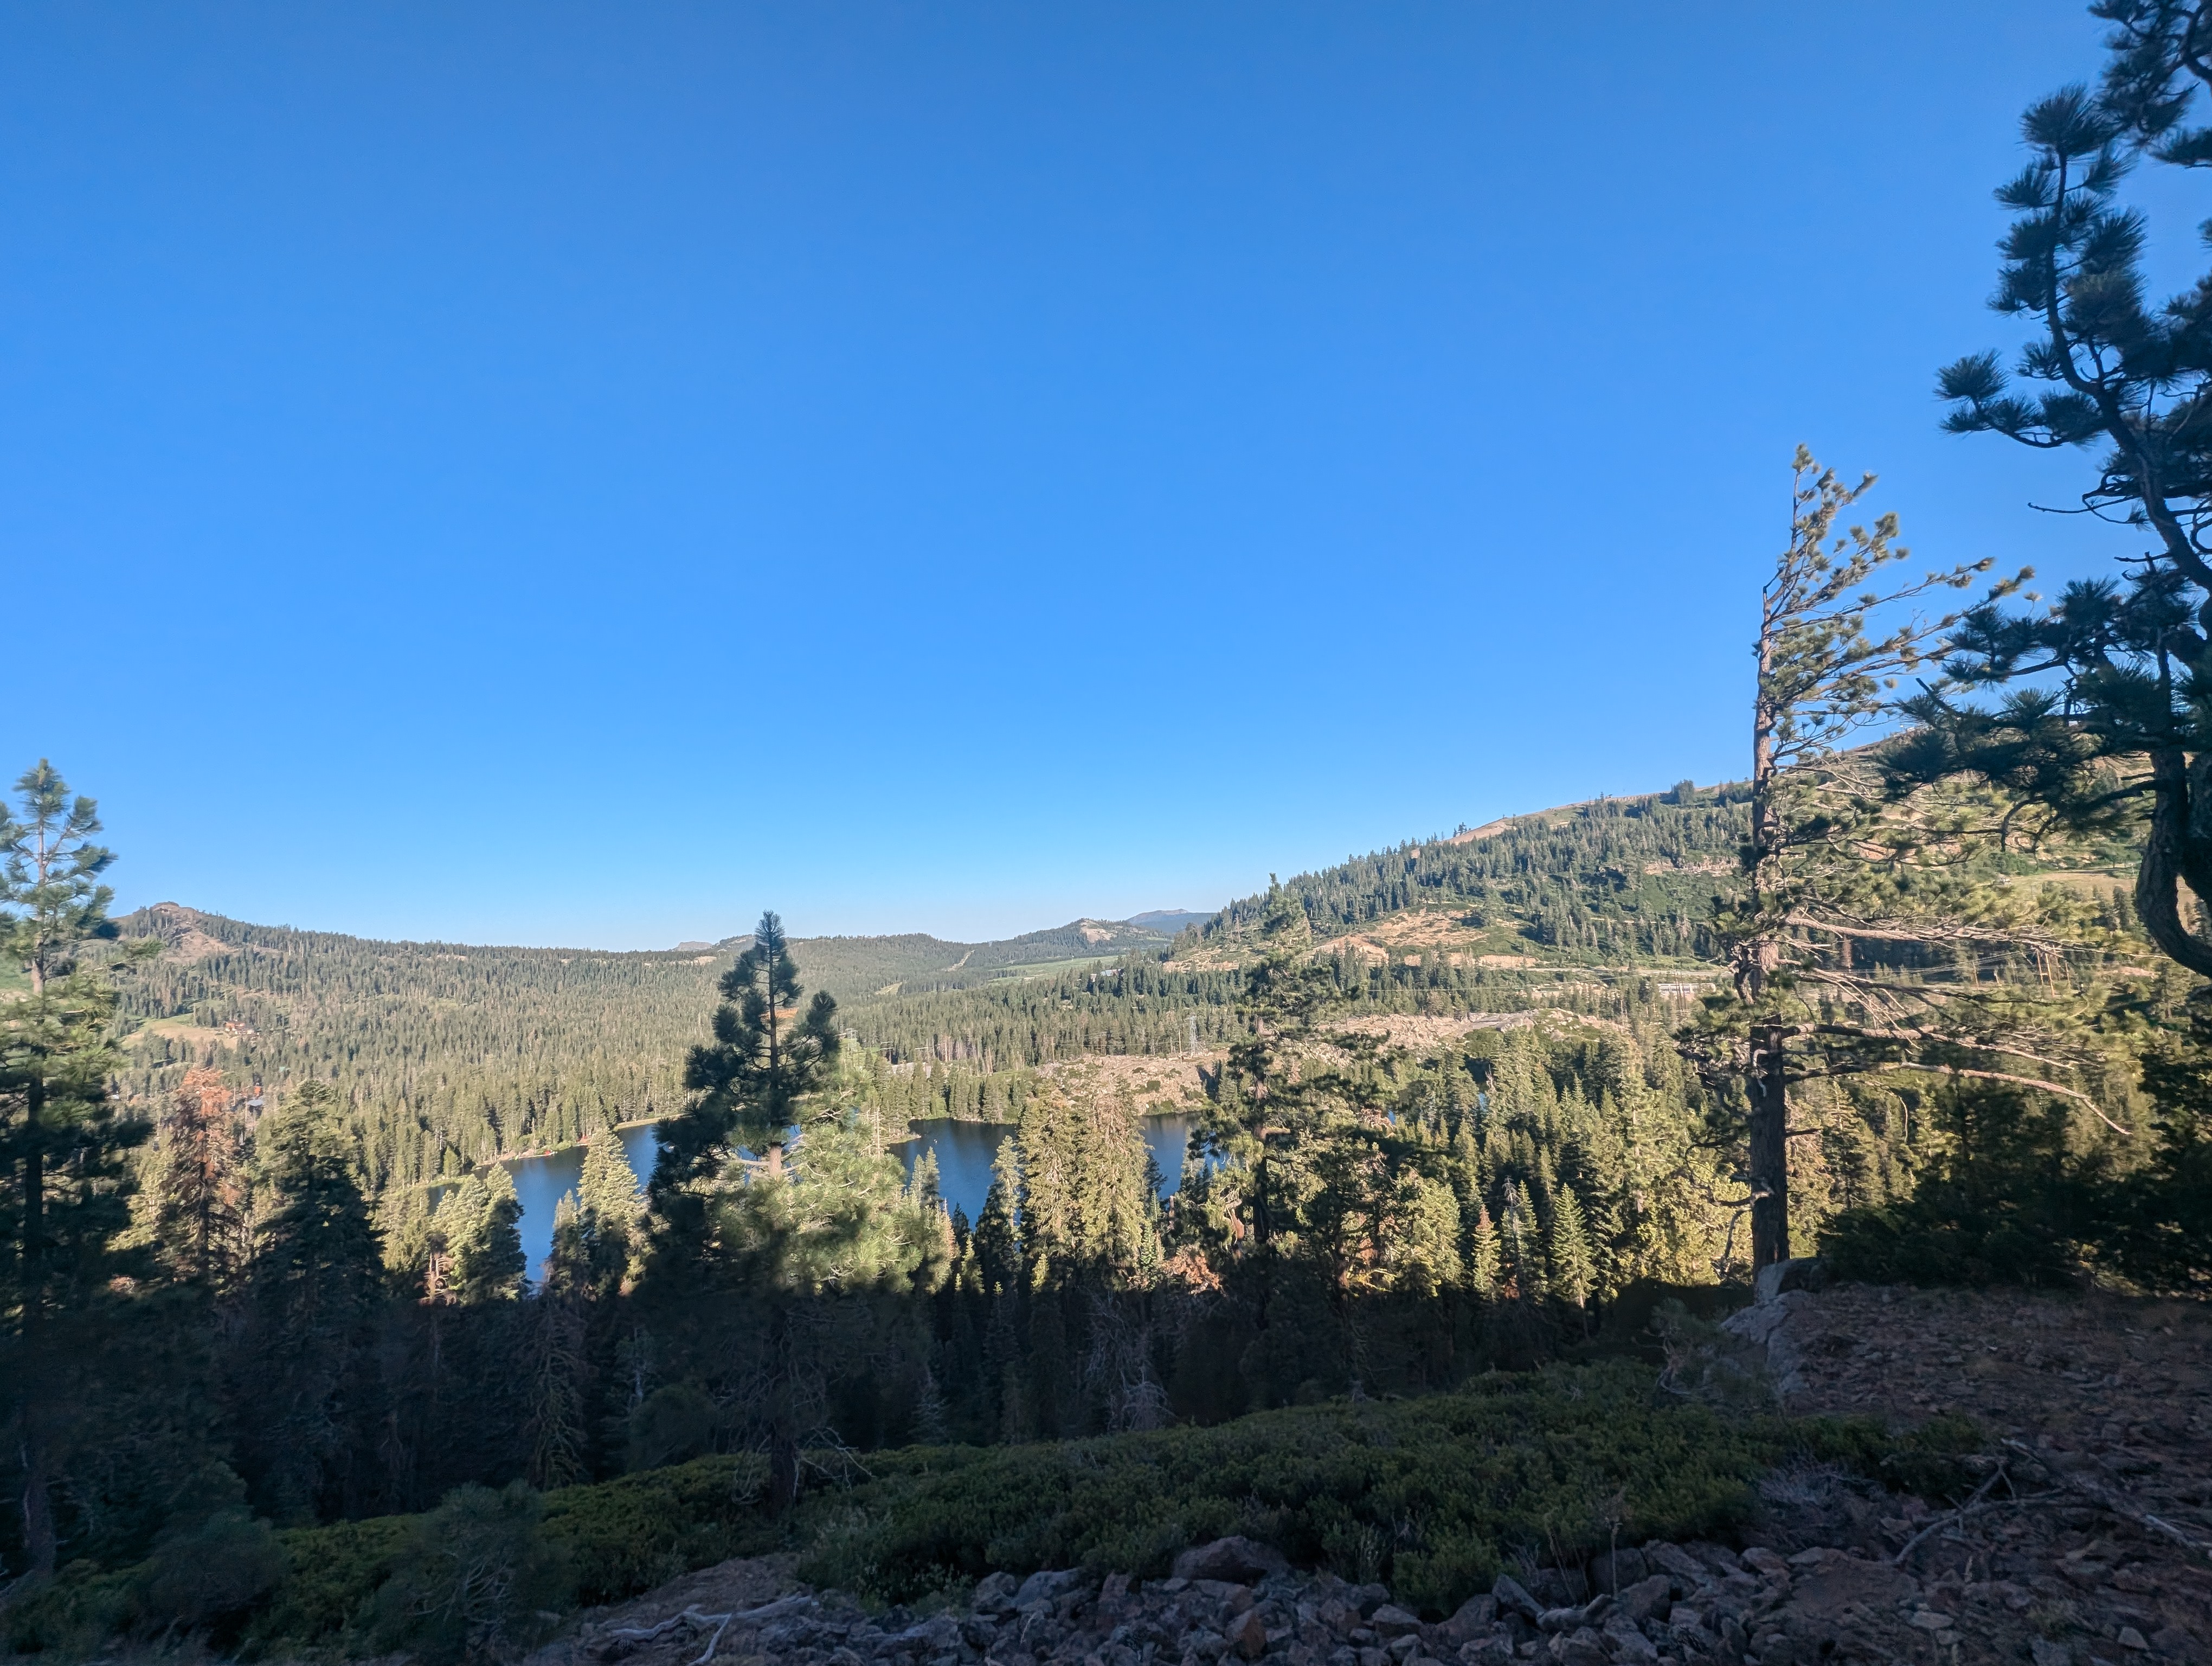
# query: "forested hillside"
1624,880
450,1054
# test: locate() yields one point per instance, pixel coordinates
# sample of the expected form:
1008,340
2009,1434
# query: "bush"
476,1578
1435,1495
208,1574
331,1573
675,1423
627,1536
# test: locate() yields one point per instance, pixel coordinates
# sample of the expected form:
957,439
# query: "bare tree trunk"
1769,1149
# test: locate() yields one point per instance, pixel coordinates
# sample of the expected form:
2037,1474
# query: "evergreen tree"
1574,1273
608,1207
813,1244
485,1240
1519,1237
745,1085
65,1178
608,1187
1809,893
305,1372
2112,676
1270,1102
996,1242
554,1336
1482,1258
200,1218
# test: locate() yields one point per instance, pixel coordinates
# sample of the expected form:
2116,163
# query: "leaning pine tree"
1859,940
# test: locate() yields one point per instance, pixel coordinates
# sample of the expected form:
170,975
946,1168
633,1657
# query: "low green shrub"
329,1575
206,1576
80,1607
1434,1495
627,1536
478,1578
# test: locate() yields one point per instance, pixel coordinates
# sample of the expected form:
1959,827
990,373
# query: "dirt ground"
2092,1539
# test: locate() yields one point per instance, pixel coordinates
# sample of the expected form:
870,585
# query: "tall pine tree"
65,1178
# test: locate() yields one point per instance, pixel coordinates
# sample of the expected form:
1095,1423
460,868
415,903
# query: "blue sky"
580,474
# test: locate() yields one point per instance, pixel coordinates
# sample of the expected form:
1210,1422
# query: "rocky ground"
2085,1543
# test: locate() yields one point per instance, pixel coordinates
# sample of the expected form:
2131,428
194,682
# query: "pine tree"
200,1218
1519,1235
996,1243
1573,1271
64,1180
306,1372
2110,676
484,1239
1258,1125
1482,1255
554,1336
609,1206
1812,882
745,1086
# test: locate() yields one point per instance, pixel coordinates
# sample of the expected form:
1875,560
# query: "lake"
540,1183
964,1152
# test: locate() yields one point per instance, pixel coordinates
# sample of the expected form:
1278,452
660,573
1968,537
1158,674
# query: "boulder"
1247,1634
1236,1560
1579,1648
1513,1597
1806,1273
1390,1620
1673,1559
994,1593
1471,1619
1625,1643
1368,1598
1616,1570
1047,1585
1765,1563
1646,1597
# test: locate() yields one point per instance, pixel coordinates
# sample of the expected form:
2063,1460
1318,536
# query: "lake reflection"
965,1151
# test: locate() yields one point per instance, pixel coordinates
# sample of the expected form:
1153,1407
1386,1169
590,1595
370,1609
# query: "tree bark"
2167,861
783,1410
1769,1147
38,1536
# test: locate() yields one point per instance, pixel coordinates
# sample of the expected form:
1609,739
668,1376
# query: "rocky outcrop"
1698,1603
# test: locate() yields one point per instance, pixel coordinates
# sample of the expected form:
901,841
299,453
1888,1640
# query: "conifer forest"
1925,993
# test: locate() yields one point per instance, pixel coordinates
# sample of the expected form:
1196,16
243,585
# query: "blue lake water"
964,1153
540,1183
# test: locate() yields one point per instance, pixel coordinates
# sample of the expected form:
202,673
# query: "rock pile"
1233,1601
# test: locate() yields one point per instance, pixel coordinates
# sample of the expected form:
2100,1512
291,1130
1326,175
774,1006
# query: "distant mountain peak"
1168,921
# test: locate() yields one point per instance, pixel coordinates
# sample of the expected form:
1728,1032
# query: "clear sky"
579,474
